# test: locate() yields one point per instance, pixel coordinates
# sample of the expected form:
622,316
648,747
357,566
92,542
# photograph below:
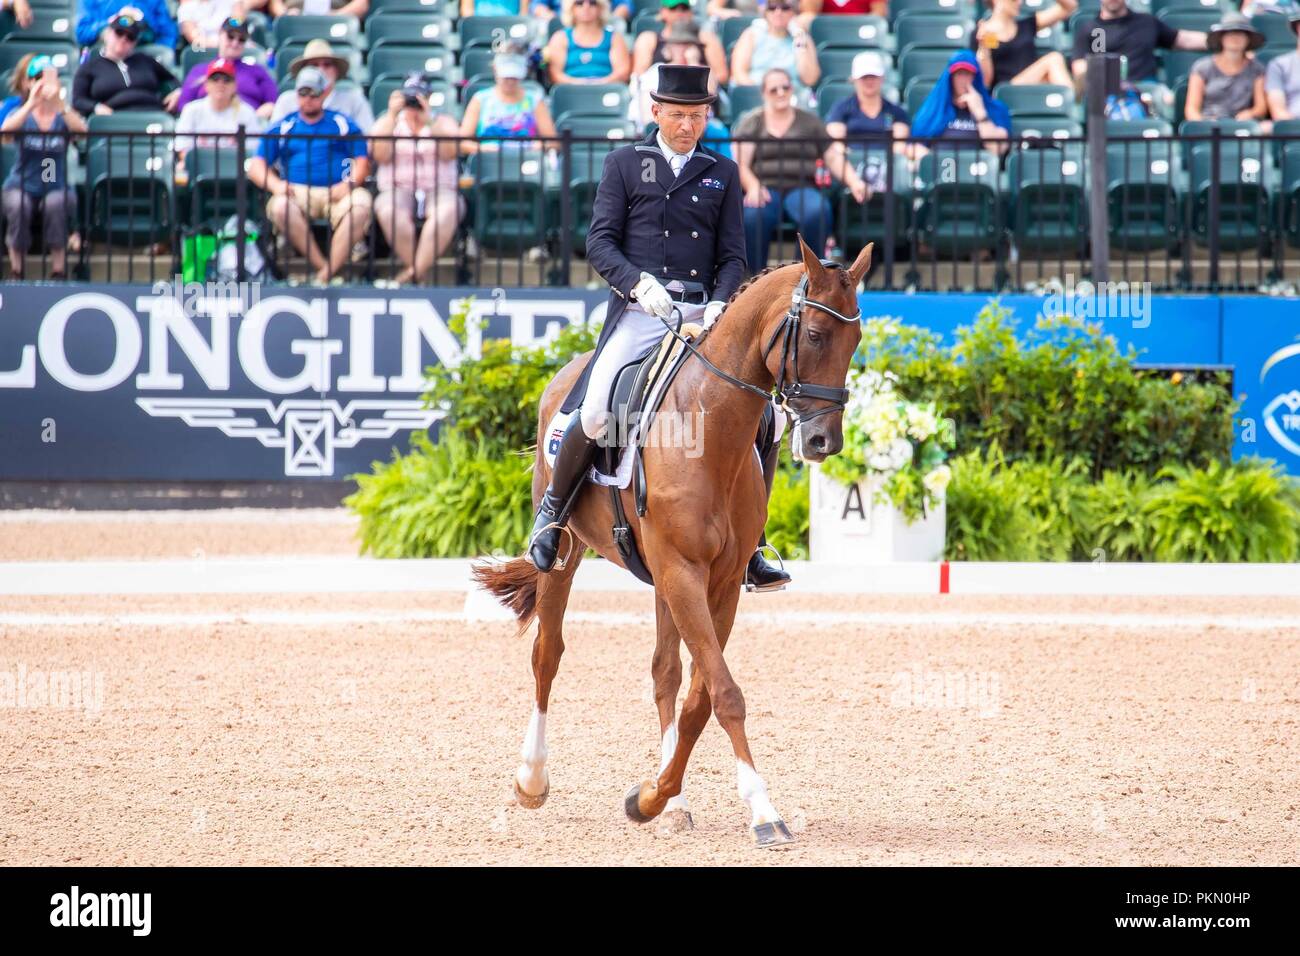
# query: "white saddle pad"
622,476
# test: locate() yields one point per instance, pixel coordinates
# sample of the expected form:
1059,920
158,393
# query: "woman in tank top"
587,50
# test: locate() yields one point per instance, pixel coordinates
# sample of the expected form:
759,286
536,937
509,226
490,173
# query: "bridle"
788,331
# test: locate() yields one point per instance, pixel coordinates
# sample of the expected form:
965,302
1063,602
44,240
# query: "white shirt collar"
669,152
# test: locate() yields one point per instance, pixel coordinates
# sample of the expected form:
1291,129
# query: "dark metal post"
566,202
889,211
1098,218
241,198
1212,213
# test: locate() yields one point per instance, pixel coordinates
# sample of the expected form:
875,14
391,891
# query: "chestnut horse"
703,519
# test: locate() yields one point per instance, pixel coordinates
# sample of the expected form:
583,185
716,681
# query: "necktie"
677,162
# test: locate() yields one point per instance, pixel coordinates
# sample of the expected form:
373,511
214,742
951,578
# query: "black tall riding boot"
761,576
571,462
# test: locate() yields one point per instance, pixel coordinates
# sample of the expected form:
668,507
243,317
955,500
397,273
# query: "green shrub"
453,499
787,513
1116,523
988,514
1054,494
1243,512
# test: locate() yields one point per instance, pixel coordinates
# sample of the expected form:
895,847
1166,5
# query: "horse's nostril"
818,442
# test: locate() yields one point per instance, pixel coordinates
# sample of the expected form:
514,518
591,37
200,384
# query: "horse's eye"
814,337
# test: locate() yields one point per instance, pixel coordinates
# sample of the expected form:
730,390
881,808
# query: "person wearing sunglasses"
778,148
120,77
254,83
314,163
775,42
587,50
653,46
38,179
201,21
155,22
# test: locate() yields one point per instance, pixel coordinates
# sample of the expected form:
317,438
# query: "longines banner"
161,384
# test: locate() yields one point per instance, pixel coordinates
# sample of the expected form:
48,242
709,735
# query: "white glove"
712,311
654,298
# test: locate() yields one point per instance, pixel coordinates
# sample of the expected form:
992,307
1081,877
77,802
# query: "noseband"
789,331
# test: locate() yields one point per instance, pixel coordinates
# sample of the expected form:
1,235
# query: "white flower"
900,453
921,422
937,480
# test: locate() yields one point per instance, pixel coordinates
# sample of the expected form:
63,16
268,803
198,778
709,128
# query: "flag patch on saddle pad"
713,184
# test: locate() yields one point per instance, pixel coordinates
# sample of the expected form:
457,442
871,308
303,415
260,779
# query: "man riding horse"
661,250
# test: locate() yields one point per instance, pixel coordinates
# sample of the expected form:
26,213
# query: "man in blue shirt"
320,169
96,15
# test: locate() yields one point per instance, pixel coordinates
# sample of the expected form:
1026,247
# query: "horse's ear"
861,264
811,262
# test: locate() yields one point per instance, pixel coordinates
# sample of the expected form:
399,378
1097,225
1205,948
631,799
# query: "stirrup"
560,562
779,560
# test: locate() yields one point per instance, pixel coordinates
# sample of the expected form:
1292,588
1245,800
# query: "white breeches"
635,332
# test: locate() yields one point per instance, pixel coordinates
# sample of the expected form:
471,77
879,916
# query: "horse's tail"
513,583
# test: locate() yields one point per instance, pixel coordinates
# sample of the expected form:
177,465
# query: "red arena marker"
943,577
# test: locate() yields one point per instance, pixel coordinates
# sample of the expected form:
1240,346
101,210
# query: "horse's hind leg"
532,782
667,670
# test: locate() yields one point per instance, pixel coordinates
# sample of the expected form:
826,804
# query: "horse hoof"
768,836
676,821
632,804
527,800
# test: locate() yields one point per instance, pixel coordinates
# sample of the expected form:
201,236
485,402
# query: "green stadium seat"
961,202
900,9
1244,174
1038,99
443,8
596,99
12,50
509,199
922,64
837,62
391,60
129,182
731,29
917,90
1046,127
407,29
857,224
1215,7
476,63
311,27
645,22
483,31
742,99
1288,191
851,32
1191,18
214,175
1143,195
1276,29
1051,39
57,25
933,32
1229,128
1176,65
830,93
1049,199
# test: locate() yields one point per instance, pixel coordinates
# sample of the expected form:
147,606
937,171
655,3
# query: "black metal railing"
1212,212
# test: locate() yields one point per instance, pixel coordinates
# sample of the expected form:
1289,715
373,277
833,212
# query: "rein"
784,392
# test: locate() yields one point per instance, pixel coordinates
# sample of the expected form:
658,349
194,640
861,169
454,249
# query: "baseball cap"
415,84
235,25
310,78
867,64
510,66
126,21
961,66
221,65
38,65
675,3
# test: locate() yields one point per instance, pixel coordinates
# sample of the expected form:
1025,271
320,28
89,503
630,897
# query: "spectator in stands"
156,22
1228,84
1135,35
651,46
119,77
19,83
312,172
1282,80
1004,45
587,50
852,7
867,114
542,9
22,11
254,83
219,111
779,170
418,180
507,108
959,108
338,8
349,100
775,42
201,21
39,176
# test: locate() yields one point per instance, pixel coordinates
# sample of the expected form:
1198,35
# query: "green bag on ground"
196,251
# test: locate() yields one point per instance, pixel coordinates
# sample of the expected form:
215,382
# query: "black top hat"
683,85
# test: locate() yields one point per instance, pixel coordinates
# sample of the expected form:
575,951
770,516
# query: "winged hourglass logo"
1282,414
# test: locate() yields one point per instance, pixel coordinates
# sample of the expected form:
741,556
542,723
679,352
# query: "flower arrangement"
898,446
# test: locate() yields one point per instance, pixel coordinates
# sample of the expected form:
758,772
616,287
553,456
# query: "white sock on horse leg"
754,792
531,775
669,746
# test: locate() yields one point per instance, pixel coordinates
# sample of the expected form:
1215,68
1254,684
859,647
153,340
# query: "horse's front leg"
666,668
